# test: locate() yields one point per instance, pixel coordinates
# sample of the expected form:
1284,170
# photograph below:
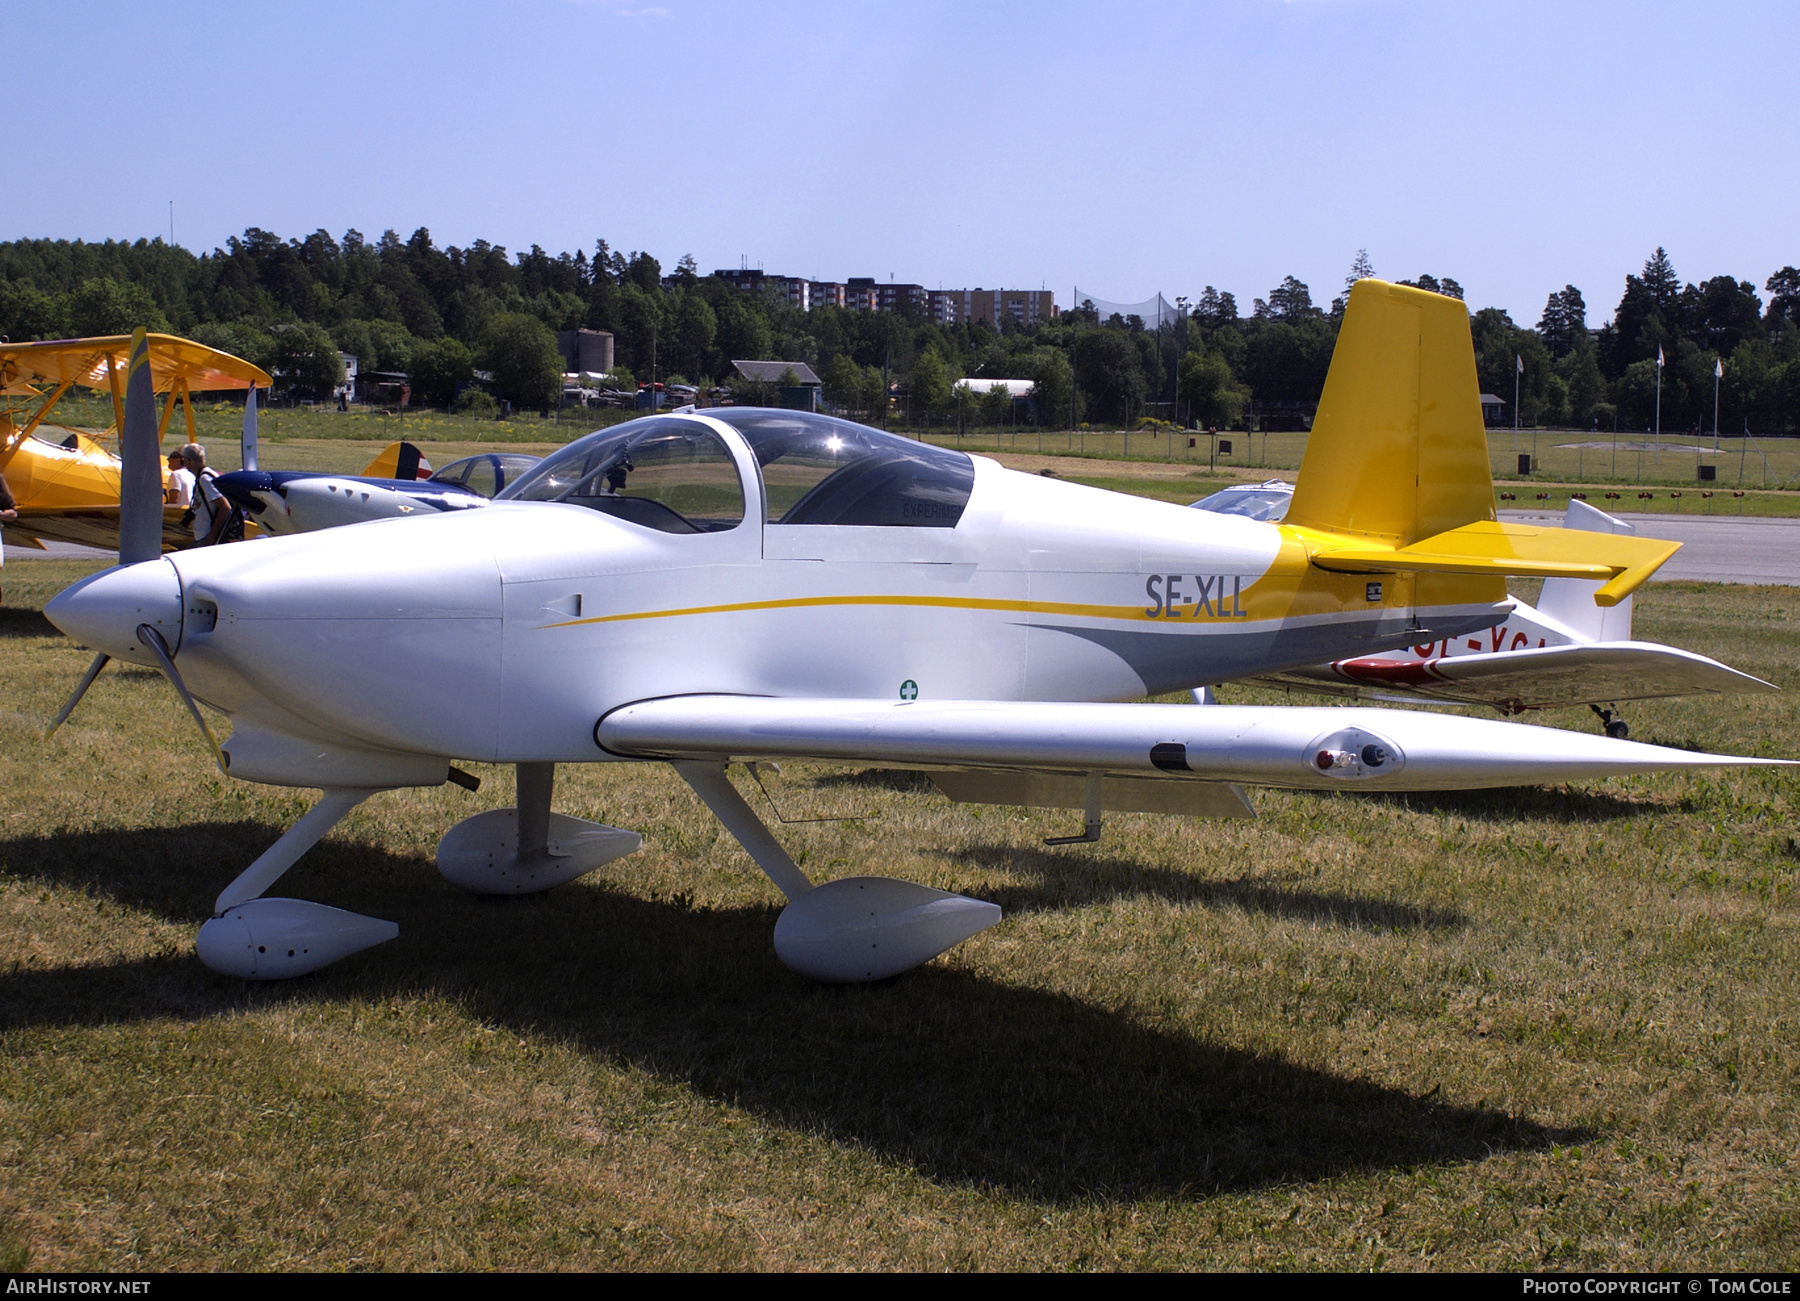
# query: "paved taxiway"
1716,549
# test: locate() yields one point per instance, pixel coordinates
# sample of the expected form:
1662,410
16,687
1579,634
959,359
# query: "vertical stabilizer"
1570,601
1398,450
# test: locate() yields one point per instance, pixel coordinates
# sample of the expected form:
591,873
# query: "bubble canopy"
816,469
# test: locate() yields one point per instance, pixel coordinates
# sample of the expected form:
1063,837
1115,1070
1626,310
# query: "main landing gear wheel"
854,929
526,849
1614,725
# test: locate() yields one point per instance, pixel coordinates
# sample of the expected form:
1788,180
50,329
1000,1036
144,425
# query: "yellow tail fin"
396,461
1398,451
1396,471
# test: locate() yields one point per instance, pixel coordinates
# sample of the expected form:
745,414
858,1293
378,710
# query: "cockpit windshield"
661,472
485,473
1267,501
820,470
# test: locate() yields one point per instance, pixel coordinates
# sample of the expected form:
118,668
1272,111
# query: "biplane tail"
398,460
1395,477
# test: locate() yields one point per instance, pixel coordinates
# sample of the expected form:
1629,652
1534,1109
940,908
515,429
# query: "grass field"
1765,470
1547,1028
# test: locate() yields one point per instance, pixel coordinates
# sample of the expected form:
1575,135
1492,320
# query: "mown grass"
1766,470
1544,1028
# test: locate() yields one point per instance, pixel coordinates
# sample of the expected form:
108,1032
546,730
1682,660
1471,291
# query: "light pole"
1656,456
1181,315
1718,374
1518,374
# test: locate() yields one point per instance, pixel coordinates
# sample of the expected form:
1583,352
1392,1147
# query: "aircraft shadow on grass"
1547,803
959,1075
1069,880
1560,804
16,622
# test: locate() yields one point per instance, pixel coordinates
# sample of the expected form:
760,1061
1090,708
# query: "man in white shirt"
180,491
211,511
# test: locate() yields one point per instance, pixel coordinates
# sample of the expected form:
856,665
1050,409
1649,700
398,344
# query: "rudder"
1398,449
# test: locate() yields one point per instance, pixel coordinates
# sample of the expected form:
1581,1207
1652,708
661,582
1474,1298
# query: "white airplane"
747,584
1565,651
396,485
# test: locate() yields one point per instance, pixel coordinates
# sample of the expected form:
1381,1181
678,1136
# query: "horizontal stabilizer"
1316,748
1621,564
1543,677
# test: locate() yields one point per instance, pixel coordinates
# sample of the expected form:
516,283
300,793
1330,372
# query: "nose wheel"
1609,720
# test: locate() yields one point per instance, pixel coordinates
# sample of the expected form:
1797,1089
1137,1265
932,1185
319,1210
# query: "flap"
1061,790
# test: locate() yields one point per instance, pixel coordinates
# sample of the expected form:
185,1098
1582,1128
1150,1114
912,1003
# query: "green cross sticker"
909,690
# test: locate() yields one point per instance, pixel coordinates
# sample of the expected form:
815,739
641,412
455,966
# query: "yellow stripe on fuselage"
941,602
1291,588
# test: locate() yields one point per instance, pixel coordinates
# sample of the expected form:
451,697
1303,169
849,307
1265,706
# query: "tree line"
439,314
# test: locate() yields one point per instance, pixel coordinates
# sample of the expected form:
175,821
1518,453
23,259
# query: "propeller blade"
160,648
249,439
140,462
87,680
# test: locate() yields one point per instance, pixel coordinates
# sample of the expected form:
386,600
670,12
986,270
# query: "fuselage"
504,634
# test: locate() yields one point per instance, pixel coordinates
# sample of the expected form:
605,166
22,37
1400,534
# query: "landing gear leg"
271,939
1610,720
537,782
856,928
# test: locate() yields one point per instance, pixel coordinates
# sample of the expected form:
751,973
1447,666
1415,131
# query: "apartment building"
792,290
866,294
861,294
1021,306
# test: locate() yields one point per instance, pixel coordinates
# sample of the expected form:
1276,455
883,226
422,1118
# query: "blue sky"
1129,148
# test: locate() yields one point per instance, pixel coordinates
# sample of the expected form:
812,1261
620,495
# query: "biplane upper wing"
174,363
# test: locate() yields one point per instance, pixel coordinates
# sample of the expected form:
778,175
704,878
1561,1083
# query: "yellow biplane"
65,481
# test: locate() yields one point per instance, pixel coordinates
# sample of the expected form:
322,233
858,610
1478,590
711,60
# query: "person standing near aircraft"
180,491
211,512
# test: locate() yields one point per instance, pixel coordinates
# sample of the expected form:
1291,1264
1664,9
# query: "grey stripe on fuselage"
1174,661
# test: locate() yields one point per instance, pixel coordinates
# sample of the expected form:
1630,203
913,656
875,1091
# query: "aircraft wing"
1543,677
95,362
1314,748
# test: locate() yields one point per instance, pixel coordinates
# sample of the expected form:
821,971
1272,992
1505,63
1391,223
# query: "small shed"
770,372
1491,410
802,396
